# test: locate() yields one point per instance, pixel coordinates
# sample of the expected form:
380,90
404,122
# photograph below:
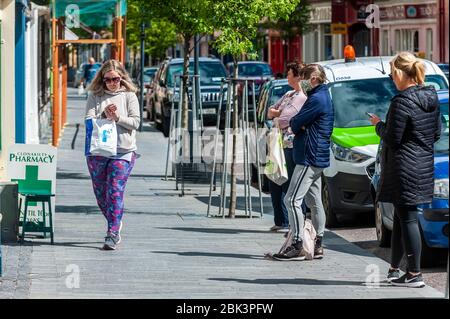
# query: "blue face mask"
306,85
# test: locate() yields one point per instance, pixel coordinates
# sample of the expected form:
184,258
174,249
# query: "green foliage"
160,34
238,22
296,23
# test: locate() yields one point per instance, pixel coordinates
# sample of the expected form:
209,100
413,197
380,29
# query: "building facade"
419,26
7,81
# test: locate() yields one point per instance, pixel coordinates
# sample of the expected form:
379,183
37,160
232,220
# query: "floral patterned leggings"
109,178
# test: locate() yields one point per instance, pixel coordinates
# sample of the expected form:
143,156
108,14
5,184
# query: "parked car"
444,68
148,102
79,75
149,74
434,217
271,92
356,88
257,71
212,71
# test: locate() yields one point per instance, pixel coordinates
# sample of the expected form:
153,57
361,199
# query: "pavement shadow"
240,203
217,230
60,244
86,209
293,281
206,254
61,175
338,244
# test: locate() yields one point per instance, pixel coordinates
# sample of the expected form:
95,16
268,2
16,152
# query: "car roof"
200,59
367,68
443,96
249,62
278,82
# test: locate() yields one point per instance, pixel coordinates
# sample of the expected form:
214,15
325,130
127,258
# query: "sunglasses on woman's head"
114,80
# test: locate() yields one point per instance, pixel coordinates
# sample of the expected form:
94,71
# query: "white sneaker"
119,238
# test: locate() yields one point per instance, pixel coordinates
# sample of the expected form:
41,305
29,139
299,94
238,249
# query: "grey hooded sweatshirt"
128,111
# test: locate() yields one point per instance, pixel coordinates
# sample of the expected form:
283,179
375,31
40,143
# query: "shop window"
385,43
327,42
398,43
416,41
429,41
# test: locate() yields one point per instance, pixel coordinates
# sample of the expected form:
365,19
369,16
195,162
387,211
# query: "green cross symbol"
31,184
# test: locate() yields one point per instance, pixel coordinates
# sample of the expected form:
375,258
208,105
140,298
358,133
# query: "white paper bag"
276,169
81,89
101,137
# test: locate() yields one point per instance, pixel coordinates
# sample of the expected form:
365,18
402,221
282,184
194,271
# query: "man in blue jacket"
312,127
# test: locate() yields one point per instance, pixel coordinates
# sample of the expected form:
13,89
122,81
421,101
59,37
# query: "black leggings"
406,238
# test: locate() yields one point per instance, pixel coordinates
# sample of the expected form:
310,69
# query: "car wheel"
383,234
328,205
429,256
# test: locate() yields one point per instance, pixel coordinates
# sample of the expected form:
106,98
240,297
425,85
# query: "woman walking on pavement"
282,112
113,97
407,166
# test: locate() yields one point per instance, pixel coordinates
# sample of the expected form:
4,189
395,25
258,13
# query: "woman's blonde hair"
410,65
98,87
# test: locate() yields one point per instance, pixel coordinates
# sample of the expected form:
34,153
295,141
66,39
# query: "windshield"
278,92
441,146
211,73
352,99
149,74
252,69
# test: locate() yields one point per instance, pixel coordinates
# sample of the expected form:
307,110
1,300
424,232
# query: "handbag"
81,90
276,168
101,137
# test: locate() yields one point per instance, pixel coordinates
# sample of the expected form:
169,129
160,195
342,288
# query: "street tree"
237,22
160,34
189,18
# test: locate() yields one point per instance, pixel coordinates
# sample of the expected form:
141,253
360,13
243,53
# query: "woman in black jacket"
407,161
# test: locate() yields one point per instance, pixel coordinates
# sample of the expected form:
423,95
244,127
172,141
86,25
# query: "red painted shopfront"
284,51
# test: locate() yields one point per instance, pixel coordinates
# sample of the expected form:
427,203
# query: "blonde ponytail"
411,66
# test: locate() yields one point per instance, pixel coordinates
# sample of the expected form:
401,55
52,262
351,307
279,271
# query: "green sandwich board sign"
33,167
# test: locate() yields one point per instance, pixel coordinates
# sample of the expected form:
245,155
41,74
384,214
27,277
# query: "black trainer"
293,252
393,274
318,252
318,249
410,281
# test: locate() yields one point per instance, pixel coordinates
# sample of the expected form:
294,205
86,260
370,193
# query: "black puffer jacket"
408,136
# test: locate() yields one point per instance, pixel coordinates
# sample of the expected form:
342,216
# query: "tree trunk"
232,210
186,82
185,107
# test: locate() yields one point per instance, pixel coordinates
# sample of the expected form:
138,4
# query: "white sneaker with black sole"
410,281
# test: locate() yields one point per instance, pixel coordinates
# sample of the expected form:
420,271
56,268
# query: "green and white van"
356,88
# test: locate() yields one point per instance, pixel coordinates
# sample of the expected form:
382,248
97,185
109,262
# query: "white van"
356,88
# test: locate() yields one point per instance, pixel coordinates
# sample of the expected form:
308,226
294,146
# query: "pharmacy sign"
33,167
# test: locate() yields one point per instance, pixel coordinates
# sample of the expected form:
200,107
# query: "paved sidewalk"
170,248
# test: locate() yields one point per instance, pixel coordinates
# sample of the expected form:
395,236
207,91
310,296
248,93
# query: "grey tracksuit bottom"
305,184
